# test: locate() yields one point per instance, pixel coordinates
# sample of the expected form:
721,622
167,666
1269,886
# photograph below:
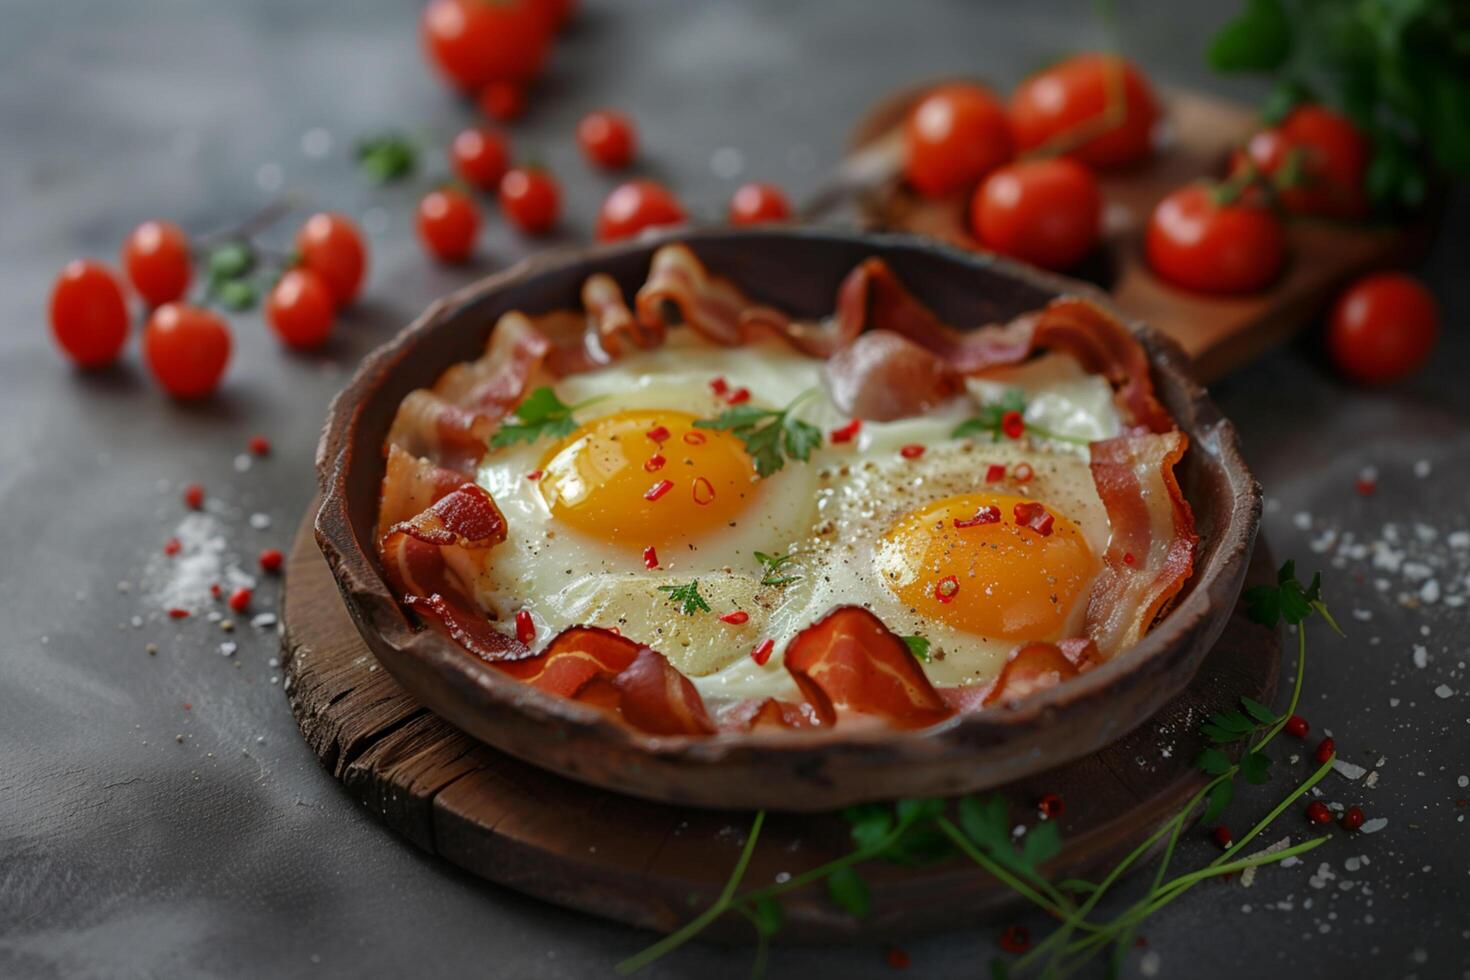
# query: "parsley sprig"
992,417
918,646
770,435
921,831
687,596
541,415
774,573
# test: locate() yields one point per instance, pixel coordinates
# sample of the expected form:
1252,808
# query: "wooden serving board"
656,866
1220,334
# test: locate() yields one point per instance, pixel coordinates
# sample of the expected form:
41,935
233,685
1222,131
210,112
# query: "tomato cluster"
186,346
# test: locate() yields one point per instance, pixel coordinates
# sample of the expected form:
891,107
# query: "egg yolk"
647,478
991,577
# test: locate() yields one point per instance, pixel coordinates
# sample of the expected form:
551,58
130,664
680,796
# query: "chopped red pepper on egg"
762,652
995,473
659,489
989,514
525,626
650,557
737,618
1034,516
1013,424
658,433
912,451
848,432
947,588
654,463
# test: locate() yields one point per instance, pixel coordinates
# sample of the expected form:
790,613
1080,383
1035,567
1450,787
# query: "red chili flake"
947,588
995,473
762,652
215,590
737,618
1023,473
1365,486
172,547
1013,424
738,397
897,958
1034,516
193,496
1222,836
535,475
989,514
658,433
848,432
1317,812
703,491
1325,750
525,626
1015,939
259,445
694,438
654,463
240,599
1296,726
1050,806
659,489
650,557
177,613
270,560
719,386
912,451
1128,558
1353,818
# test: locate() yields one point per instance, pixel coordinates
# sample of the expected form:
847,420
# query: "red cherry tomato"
531,199
1382,328
608,138
89,317
1200,244
558,12
301,308
473,42
754,204
331,246
1067,108
187,349
503,101
480,157
156,259
1330,157
954,136
1041,211
448,221
634,206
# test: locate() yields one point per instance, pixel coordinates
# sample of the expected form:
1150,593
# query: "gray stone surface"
125,852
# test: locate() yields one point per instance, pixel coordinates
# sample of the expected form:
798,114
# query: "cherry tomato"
331,246
187,349
301,308
1067,106
1382,328
1041,211
954,136
531,199
89,317
156,259
634,206
448,221
558,12
753,204
608,138
503,101
480,157
473,42
1330,157
1197,243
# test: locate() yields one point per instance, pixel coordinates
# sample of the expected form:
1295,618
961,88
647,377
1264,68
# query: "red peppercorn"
912,451
897,958
525,626
193,496
177,613
1296,726
1050,806
1015,939
1317,812
1353,818
240,599
270,560
1325,750
848,432
737,618
659,489
1013,424
762,652
171,547
1222,836
995,473
650,557
260,445
1365,486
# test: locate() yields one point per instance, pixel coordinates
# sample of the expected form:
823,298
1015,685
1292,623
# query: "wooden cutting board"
1219,333
657,866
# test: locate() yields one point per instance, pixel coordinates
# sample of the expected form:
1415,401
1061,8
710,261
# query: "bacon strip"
754,713
858,664
1151,553
411,485
883,376
429,427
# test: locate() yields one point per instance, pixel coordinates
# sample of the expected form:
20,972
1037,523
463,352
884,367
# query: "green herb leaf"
848,891
1232,721
1041,843
1219,799
1258,711
772,565
541,415
1285,601
1255,767
386,158
918,646
1213,761
767,915
986,821
770,435
687,596
1218,735
1258,39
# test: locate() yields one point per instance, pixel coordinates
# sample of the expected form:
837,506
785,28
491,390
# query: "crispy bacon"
1151,553
858,664
573,658
753,713
411,485
494,383
464,518
883,375
431,428
1029,668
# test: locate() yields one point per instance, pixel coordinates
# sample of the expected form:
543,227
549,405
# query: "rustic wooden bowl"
797,270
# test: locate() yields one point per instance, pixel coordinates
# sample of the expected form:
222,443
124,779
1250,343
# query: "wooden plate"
796,270
655,866
1218,333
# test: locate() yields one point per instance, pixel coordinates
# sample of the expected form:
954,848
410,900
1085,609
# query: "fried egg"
609,524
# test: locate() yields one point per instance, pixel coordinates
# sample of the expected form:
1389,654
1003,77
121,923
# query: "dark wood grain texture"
654,865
